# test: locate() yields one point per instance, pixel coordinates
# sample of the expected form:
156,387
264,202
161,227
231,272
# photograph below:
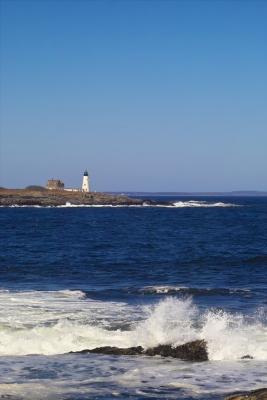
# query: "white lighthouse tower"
85,184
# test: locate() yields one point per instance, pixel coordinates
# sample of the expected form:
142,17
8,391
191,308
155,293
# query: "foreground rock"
115,351
192,351
260,394
44,197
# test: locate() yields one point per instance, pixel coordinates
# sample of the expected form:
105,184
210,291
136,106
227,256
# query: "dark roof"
85,173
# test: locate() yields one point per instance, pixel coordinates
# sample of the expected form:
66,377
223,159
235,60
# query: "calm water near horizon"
74,278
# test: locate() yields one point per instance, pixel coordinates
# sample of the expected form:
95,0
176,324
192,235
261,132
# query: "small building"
55,184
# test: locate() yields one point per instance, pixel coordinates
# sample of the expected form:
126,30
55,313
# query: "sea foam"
59,322
204,204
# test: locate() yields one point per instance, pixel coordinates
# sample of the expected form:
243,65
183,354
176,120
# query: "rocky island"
45,198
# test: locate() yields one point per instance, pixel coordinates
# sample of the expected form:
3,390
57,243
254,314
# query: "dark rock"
260,394
116,351
192,351
247,357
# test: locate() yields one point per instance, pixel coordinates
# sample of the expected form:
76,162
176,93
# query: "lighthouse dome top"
85,173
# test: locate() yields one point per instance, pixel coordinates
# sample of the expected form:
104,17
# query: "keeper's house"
55,184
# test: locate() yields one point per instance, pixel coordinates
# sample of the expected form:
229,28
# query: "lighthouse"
85,184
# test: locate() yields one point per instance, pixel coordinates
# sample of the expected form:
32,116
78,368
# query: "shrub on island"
35,187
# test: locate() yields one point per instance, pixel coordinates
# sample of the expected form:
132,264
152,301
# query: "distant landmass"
237,193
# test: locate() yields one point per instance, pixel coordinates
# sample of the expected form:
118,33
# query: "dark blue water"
216,256
119,251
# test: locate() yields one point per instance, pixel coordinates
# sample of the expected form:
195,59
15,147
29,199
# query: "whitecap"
63,321
204,204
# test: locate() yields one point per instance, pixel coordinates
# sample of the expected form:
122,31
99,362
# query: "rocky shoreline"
191,351
54,198
195,351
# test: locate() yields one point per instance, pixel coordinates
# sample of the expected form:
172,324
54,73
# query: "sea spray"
231,336
168,322
72,325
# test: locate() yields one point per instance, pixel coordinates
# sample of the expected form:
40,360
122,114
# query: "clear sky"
148,95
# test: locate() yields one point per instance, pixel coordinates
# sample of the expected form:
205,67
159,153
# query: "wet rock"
129,351
247,357
260,394
192,351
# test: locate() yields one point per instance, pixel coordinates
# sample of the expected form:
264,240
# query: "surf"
63,321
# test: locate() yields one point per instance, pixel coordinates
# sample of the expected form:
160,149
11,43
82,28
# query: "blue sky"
148,95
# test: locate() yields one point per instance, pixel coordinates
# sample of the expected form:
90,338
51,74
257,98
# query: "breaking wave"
205,204
169,290
60,322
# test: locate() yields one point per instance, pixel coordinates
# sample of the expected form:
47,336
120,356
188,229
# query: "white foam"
168,322
20,310
64,321
24,206
205,204
169,289
74,376
231,337
70,205
162,289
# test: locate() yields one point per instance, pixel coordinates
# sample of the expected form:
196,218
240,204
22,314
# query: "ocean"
74,278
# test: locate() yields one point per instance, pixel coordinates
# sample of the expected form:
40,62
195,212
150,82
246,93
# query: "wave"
169,290
23,206
70,205
59,322
205,204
